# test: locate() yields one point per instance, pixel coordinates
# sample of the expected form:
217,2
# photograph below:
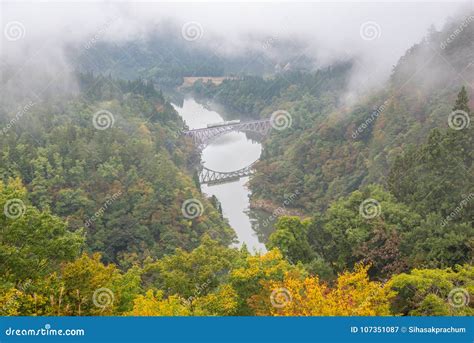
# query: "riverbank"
226,153
189,81
274,211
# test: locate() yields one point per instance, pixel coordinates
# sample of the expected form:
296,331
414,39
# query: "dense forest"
93,187
133,169
333,148
251,95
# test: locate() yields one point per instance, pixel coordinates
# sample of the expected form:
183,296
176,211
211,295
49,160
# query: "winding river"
227,153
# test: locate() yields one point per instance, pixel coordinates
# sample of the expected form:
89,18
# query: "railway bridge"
202,137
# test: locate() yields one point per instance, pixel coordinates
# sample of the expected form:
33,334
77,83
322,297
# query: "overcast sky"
377,33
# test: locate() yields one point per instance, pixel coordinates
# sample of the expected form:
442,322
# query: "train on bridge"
203,136
224,123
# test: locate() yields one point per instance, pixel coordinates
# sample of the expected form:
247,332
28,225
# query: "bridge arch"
209,176
202,137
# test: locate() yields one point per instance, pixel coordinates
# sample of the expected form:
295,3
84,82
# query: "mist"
373,35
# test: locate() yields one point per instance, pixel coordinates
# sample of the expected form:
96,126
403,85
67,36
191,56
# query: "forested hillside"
251,96
166,58
110,160
353,147
44,274
152,59
94,184
370,253
332,149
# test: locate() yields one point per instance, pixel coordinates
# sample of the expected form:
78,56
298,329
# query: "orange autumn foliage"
352,295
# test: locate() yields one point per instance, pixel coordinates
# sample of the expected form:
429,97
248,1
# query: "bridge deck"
250,122
203,136
209,176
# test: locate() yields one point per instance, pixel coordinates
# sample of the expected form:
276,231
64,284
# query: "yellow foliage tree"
153,304
14,302
224,302
352,295
86,287
248,279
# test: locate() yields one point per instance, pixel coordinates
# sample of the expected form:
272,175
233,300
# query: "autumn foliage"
353,294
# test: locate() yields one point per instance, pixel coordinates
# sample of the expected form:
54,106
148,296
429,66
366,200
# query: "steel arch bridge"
209,176
202,137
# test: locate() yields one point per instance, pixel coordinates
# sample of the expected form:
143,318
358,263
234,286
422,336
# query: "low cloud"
374,35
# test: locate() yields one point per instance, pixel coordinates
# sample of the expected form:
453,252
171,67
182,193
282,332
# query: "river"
227,153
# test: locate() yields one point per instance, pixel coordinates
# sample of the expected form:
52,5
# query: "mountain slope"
109,159
355,146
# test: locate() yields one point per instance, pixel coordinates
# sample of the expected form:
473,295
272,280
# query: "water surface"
229,152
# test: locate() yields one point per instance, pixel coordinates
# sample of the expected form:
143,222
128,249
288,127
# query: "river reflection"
227,153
